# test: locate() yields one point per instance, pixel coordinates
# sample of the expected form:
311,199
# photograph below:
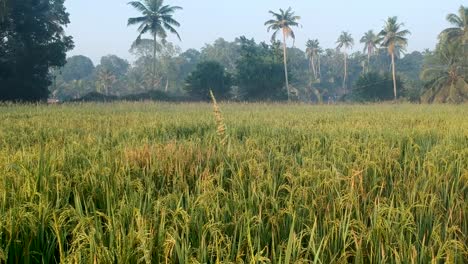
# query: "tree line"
246,70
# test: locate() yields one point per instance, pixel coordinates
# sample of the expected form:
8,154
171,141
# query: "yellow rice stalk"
221,126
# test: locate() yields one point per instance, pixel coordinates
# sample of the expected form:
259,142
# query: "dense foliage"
373,87
150,183
208,76
312,75
446,69
32,41
256,68
260,73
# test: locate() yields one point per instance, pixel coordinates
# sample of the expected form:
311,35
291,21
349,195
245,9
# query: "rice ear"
220,125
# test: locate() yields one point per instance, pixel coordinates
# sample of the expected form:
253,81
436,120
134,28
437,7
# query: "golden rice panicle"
221,126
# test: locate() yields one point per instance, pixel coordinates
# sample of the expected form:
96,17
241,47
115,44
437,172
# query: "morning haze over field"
165,131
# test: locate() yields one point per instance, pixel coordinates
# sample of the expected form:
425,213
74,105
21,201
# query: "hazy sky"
99,27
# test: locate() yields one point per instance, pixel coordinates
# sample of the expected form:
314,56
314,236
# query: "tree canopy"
33,45
208,75
32,41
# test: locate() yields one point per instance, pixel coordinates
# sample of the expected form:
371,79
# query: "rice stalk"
220,125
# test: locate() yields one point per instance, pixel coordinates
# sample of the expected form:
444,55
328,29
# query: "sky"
99,27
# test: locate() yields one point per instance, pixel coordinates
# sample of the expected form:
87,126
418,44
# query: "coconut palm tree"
394,39
460,30
444,75
284,21
320,52
370,41
312,51
156,19
345,42
105,81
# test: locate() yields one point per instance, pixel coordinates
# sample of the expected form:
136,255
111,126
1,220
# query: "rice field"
159,183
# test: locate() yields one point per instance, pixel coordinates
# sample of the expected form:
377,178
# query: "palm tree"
460,30
319,55
459,33
156,19
312,51
394,39
345,41
370,41
444,76
105,81
284,21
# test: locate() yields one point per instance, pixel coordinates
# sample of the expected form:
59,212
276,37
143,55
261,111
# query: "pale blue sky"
99,27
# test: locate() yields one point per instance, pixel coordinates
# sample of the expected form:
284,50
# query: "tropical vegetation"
284,21
315,74
156,19
371,43
313,51
345,42
32,43
208,76
445,69
393,37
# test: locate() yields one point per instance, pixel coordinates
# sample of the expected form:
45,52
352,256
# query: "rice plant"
148,183
221,126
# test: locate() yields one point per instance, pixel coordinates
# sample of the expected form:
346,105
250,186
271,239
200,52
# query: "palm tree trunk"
394,76
154,61
286,65
465,55
319,68
345,71
368,60
313,67
311,70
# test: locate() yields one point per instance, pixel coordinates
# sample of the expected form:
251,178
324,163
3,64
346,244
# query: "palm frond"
136,20
282,20
455,20
139,6
172,30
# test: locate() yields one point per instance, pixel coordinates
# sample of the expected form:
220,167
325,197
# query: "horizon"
97,41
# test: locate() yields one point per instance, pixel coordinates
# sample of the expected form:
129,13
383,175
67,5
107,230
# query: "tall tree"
105,81
284,21
370,41
77,68
345,42
459,31
222,51
259,71
114,65
312,51
156,19
394,39
208,75
443,73
32,41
